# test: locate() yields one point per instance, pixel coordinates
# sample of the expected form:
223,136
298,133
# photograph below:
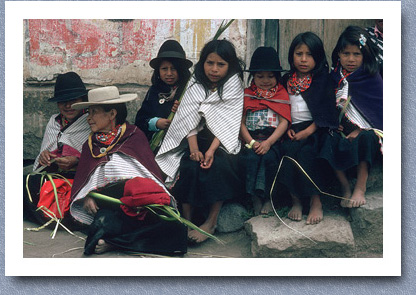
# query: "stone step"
333,237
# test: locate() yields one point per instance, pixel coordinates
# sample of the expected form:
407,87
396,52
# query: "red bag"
140,192
48,199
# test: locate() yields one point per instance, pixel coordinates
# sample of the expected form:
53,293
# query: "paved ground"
40,245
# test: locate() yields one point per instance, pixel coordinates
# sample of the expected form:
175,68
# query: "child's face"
168,73
303,60
264,80
351,58
215,68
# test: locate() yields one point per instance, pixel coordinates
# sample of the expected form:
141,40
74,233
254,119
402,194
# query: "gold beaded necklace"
105,152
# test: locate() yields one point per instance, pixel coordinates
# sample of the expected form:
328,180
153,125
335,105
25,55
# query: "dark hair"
121,109
225,49
183,71
351,36
316,47
278,76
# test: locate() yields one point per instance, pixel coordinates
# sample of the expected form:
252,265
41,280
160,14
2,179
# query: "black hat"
68,86
265,59
170,49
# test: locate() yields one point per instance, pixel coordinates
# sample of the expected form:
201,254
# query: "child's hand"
263,148
163,123
354,134
175,106
208,160
66,163
300,135
45,158
196,156
291,133
340,128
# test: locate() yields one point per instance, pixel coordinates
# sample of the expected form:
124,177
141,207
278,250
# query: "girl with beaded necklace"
266,117
313,115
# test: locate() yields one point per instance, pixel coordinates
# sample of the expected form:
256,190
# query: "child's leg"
315,212
345,187
257,204
267,207
296,212
358,196
209,225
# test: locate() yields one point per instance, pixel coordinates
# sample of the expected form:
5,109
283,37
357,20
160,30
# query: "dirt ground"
39,244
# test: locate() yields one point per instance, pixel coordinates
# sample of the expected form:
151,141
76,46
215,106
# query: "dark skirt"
259,170
204,187
305,153
151,235
343,154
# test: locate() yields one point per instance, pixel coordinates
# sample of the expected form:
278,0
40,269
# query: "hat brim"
266,70
68,97
122,99
155,63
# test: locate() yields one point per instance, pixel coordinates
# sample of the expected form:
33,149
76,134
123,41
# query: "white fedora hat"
104,95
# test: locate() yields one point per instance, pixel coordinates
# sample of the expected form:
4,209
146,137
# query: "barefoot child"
266,117
313,114
359,96
171,72
202,141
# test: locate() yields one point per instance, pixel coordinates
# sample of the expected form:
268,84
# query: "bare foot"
358,198
315,212
346,193
197,237
103,246
267,208
256,205
296,212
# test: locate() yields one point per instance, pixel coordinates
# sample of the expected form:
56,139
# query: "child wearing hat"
171,73
266,117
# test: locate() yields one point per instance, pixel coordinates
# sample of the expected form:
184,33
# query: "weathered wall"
103,52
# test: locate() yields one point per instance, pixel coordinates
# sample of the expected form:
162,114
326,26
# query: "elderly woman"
117,161
62,142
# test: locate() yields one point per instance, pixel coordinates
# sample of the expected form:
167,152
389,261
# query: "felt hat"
104,95
265,59
68,86
170,49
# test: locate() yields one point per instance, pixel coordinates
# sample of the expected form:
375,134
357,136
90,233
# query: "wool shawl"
133,143
320,99
222,117
366,94
276,103
73,135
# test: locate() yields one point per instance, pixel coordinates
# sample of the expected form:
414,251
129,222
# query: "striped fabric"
222,115
118,168
75,135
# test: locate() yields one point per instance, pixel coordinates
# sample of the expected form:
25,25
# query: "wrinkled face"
215,68
66,110
168,73
264,80
100,120
303,60
351,58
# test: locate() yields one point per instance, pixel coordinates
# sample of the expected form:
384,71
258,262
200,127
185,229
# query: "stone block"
367,224
271,238
231,218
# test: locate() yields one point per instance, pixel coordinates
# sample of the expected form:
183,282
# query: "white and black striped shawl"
222,115
74,136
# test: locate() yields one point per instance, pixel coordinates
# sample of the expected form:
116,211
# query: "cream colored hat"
104,95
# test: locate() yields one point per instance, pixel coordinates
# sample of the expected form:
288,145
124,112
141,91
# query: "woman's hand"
45,158
175,106
90,206
301,135
353,134
163,123
66,163
206,163
262,147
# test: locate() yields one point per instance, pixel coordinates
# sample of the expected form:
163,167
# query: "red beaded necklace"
107,137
